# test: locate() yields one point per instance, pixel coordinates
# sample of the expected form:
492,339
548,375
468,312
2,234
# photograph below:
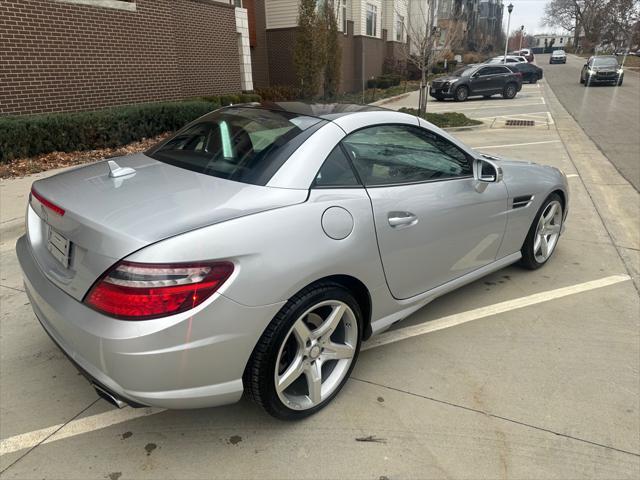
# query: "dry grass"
48,161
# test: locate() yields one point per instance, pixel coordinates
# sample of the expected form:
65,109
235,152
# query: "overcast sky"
527,13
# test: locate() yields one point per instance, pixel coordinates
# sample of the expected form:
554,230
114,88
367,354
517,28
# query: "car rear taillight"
47,203
142,291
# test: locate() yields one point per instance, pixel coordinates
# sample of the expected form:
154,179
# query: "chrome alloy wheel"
547,231
316,355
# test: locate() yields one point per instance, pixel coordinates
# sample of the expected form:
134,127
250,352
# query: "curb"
383,101
11,230
466,128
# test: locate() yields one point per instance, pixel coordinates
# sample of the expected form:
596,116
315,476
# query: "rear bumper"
191,360
558,60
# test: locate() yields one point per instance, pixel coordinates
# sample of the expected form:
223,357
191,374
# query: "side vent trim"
522,201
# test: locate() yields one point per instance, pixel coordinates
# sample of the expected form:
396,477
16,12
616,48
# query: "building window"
128,5
372,20
344,16
561,39
399,28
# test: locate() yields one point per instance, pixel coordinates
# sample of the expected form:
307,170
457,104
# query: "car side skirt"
404,308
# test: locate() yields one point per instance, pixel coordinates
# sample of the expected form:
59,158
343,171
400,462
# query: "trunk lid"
107,219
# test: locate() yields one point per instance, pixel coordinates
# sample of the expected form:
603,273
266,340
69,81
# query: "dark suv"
604,69
477,80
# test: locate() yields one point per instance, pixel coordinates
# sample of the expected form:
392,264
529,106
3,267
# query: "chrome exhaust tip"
109,397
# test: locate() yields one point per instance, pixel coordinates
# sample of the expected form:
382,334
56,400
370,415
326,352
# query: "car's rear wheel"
307,352
510,91
544,234
462,93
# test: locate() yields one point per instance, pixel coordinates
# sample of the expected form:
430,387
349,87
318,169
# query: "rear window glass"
242,144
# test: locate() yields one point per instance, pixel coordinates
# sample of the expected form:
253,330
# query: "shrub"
472,57
384,81
445,120
30,135
279,93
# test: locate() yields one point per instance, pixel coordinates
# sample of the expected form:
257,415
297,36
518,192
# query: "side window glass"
484,71
395,154
336,171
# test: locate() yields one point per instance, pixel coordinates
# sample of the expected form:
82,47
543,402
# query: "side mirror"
487,171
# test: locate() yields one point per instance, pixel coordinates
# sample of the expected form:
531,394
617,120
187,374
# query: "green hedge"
446,119
25,136
384,81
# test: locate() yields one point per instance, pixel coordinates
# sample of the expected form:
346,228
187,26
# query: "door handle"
402,219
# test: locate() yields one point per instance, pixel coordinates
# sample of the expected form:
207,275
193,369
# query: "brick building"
371,31
71,55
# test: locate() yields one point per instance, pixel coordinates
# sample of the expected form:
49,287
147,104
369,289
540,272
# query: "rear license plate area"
59,247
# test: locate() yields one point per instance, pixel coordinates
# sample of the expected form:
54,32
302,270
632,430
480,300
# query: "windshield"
241,144
462,72
605,62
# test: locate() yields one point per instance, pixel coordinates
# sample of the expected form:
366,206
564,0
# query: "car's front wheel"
620,81
462,93
544,233
307,352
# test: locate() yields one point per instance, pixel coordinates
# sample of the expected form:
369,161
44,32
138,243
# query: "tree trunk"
422,106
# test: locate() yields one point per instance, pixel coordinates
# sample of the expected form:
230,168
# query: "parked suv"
528,54
558,56
477,80
603,69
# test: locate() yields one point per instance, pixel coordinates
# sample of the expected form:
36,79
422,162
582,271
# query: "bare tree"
622,17
578,16
427,42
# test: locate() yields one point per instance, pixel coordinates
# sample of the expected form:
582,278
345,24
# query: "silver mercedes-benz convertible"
257,248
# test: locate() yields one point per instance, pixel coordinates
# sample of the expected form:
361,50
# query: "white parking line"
516,144
446,108
490,310
114,417
76,427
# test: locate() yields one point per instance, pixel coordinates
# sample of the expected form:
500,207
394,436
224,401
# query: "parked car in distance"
528,54
602,69
558,56
257,248
530,73
477,80
509,59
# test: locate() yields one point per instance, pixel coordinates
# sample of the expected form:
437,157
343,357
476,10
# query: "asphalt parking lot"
519,375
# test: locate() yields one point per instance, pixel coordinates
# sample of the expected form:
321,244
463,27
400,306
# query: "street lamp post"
521,35
506,43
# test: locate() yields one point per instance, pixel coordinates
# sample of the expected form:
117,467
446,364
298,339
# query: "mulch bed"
40,163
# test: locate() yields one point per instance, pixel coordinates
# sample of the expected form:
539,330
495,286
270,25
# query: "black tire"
620,82
259,373
461,93
510,91
528,259
581,79
534,80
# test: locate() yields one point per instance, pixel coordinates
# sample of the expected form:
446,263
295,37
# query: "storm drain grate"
520,123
